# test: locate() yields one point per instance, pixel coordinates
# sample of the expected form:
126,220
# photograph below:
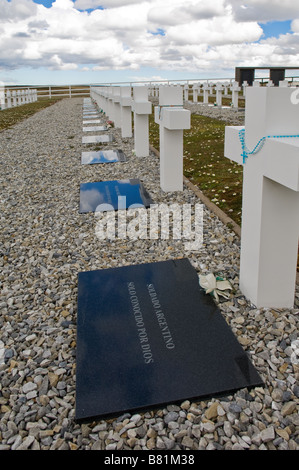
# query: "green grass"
205,165
11,116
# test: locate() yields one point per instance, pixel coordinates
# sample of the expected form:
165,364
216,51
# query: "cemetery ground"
204,162
10,117
45,243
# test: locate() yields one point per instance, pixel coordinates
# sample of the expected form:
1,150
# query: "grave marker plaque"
113,195
94,128
92,121
98,139
103,156
148,335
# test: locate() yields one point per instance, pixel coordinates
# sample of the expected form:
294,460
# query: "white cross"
126,111
235,94
270,211
206,91
116,106
8,97
141,108
110,107
186,92
14,98
195,93
219,89
244,86
172,119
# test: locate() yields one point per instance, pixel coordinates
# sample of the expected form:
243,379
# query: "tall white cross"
244,86
270,212
195,93
235,94
126,111
8,97
186,92
14,98
206,90
116,106
110,105
219,89
172,119
141,108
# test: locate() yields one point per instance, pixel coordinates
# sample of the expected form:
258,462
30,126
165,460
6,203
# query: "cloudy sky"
96,41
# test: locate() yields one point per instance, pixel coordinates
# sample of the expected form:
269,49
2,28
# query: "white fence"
63,91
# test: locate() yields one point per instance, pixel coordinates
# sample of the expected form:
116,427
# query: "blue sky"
104,41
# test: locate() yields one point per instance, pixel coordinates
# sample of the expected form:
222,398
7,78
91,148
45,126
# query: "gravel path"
45,242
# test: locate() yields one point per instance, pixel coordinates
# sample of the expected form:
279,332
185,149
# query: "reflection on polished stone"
103,156
148,336
113,195
91,116
92,121
97,139
94,128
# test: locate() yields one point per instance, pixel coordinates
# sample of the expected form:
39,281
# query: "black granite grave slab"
113,195
147,336
103,156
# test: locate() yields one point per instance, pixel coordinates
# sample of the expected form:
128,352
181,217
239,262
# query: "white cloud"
86,4
264,10
182,35
16,10
174,12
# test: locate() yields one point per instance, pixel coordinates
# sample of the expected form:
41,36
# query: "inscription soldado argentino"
140,324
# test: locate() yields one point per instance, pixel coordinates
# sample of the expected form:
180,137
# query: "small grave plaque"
92,121
94,128
91,116
103,156
148,335
97,139
113,195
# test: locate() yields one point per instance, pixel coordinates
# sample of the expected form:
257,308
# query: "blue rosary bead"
246,152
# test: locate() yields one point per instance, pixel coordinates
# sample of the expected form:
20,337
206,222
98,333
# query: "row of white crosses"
13,98
270,212
221,90
118,103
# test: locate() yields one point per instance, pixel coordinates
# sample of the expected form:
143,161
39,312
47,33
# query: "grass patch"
205,165
11,116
